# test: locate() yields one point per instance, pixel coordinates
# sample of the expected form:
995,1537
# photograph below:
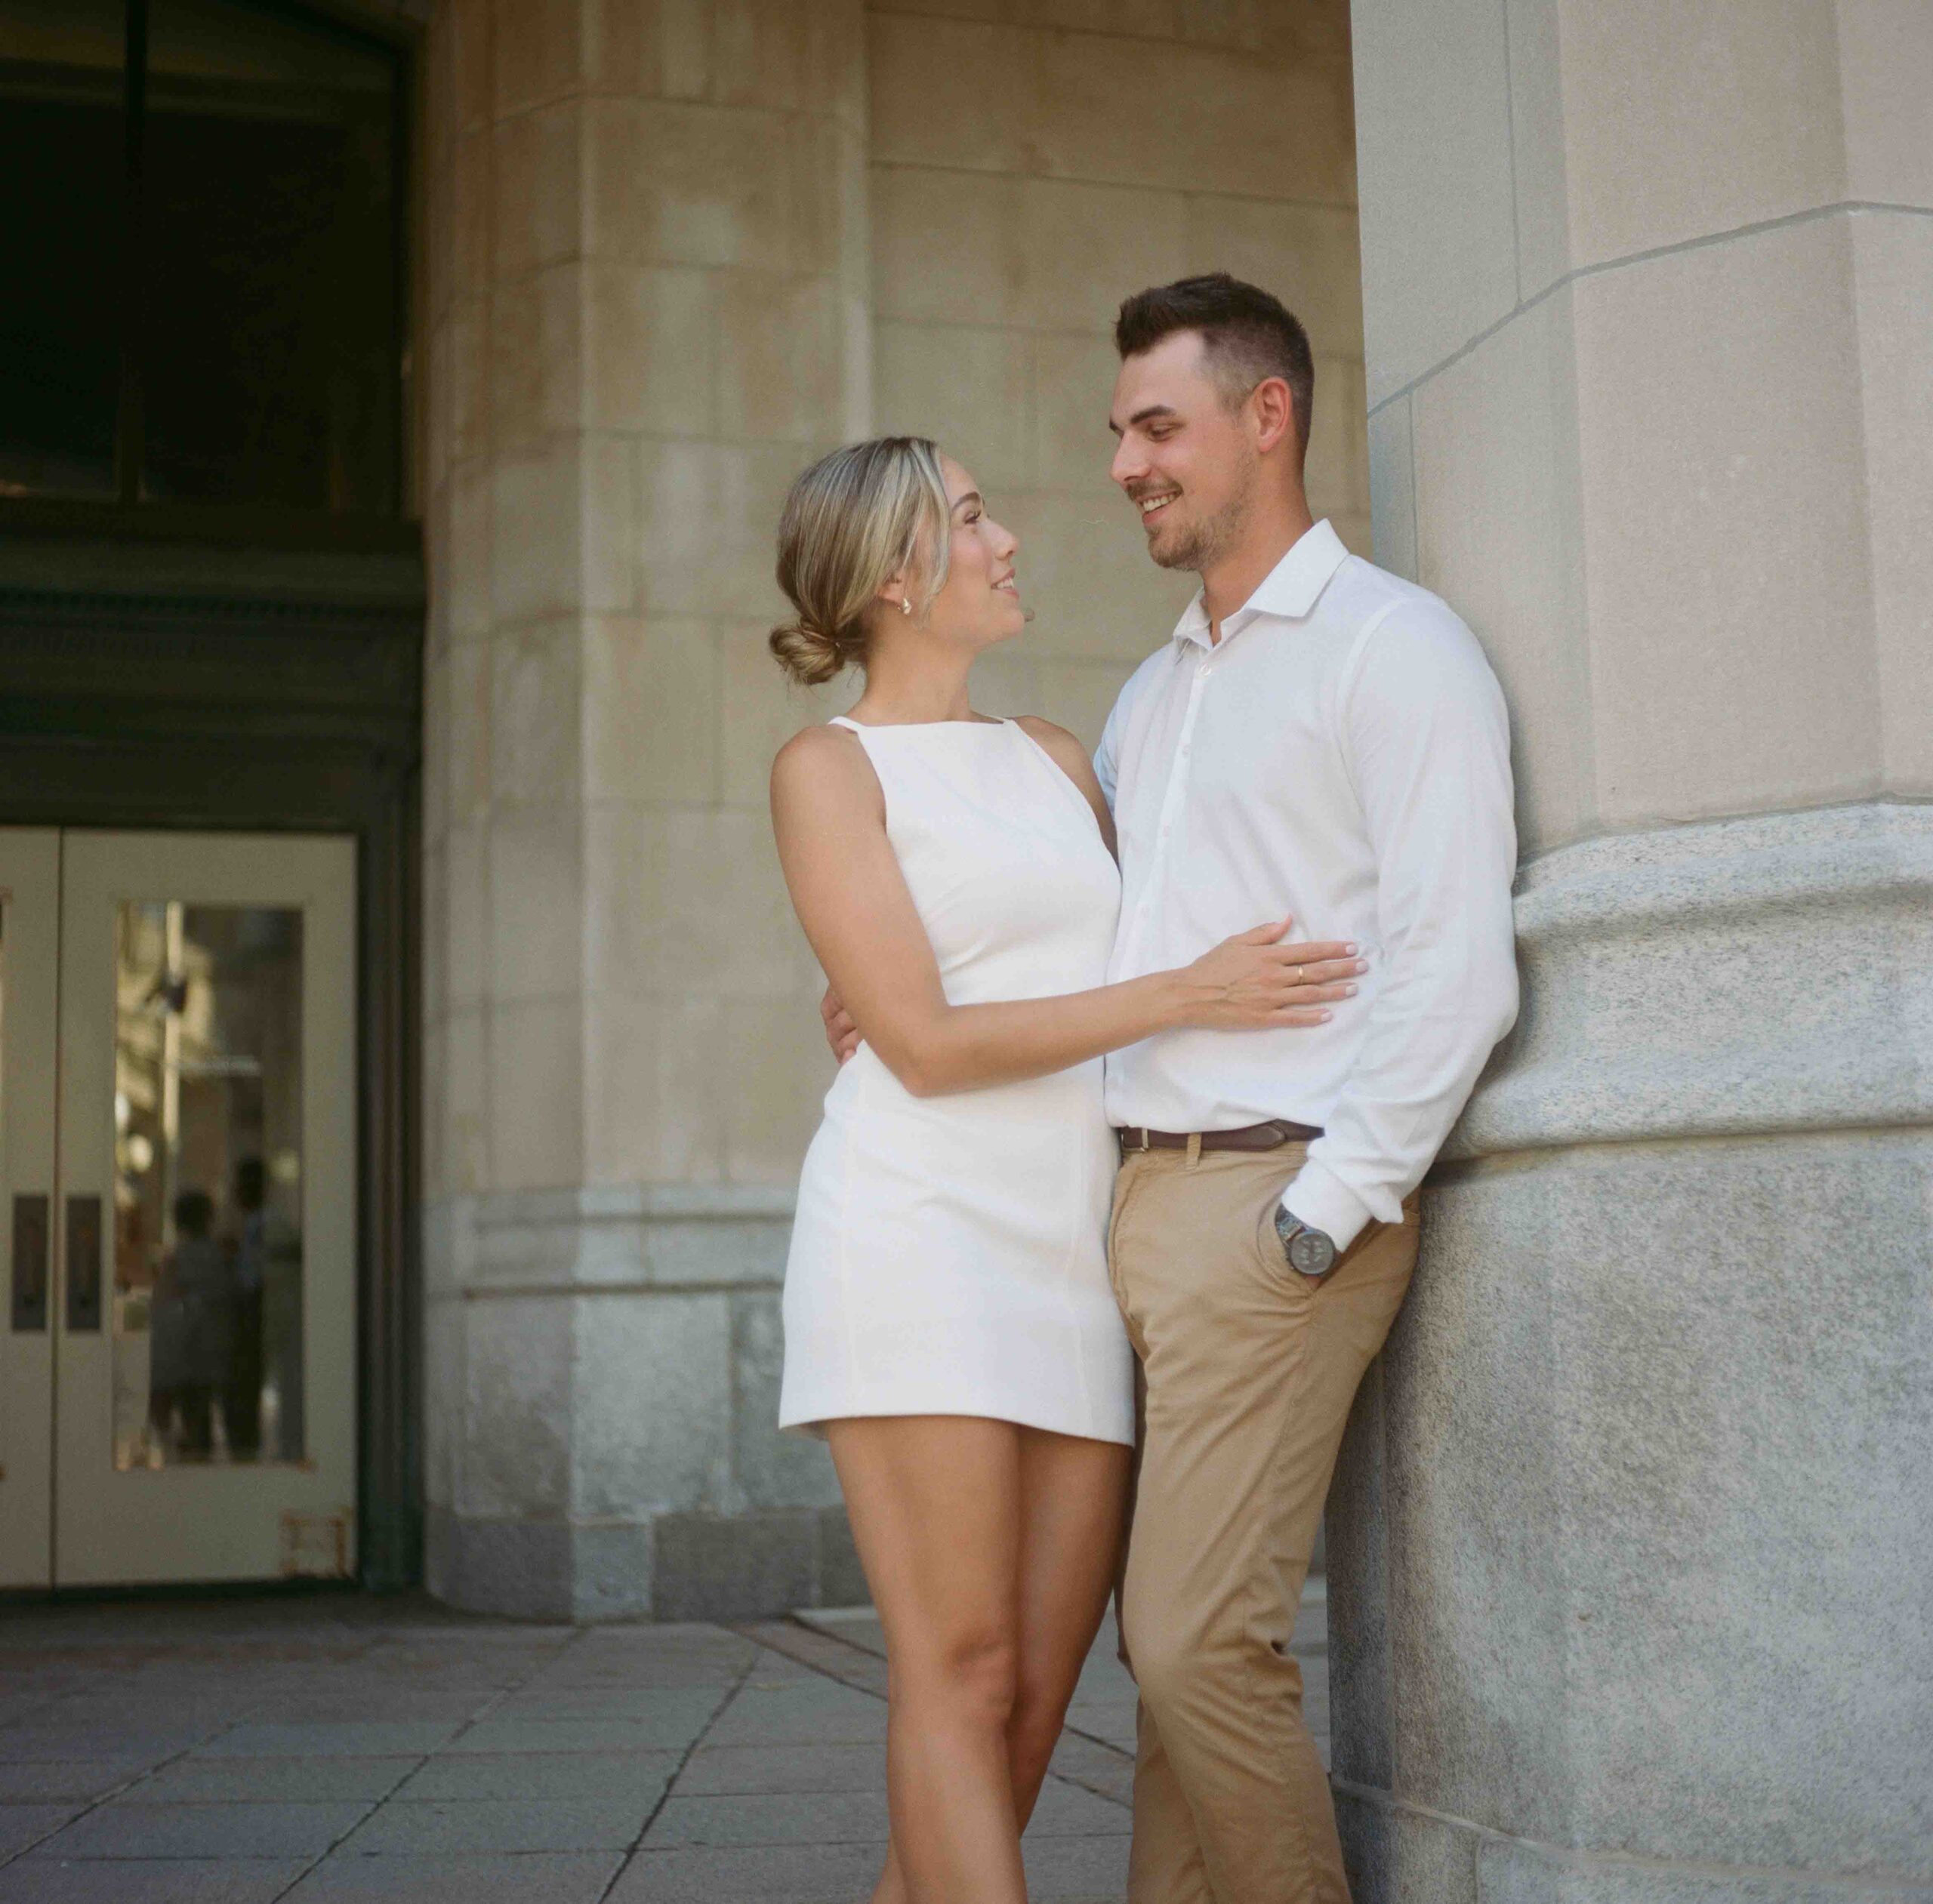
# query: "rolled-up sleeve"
1422,723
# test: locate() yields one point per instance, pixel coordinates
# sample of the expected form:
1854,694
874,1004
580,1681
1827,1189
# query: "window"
203,247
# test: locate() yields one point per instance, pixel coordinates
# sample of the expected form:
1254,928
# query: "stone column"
648,310
1630,1551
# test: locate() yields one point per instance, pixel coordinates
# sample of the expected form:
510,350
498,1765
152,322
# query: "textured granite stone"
1629,1550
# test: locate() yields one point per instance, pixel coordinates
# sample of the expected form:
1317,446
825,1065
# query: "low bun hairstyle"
857,516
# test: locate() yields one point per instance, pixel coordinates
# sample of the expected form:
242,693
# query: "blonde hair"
857,516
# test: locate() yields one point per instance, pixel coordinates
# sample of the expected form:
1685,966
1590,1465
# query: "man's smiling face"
1184,459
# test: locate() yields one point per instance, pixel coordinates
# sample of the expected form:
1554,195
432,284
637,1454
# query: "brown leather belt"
1270,1136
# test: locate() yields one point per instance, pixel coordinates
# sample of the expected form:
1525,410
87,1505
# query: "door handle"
83,1264
30,1242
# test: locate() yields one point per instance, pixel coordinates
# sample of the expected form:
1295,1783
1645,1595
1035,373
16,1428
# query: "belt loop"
1193,1148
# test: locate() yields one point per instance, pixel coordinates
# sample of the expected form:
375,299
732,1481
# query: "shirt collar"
1290,589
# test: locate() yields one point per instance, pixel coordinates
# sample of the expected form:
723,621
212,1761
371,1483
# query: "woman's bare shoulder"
819,759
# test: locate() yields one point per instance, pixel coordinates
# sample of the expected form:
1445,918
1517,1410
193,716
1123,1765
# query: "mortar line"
1703,242
670,1784
476,1718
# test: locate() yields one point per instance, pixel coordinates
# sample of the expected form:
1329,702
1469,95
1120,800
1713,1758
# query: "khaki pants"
1249,1371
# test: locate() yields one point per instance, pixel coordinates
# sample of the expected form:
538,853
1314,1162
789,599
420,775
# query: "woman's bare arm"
830,818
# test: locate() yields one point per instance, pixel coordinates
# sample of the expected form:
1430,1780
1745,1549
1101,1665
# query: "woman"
949,1325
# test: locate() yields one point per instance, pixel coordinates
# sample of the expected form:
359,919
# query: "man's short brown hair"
1247,336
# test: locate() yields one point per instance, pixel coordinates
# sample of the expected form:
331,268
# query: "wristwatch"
1310,1253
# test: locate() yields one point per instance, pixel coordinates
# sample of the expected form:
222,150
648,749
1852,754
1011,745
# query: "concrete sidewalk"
244,1751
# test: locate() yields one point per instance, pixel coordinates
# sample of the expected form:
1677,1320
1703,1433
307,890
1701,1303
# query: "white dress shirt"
1342,755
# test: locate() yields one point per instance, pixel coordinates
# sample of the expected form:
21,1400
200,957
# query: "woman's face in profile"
981,603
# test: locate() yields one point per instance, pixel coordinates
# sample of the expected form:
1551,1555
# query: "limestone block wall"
1032,164
647,309
1627,1587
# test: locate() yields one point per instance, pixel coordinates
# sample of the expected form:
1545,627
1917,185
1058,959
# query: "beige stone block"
1142,19
467,368
827,225
650,716
1229,122
564,511
536,715
650,349
536,357
621,46
465,557
1393,488
760,710
1893,268
1337,471
468,724
779,356
538,183
708,526
671,182
435,1172
1438,228
1685,119
654,1089
971,391
536,1093
1084,247
1006,680
1356,532
1306,254
468,26
434,964
462,1107
465,916
472,211
1080,695
436,766
537,905
1299,31
777,1070
686,902
799,55
945,245
1886,49
1499,537
537,51
1073,385
964,94
1084,567
1536,144
1725,552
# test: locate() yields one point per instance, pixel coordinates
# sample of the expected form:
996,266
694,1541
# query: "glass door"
30,978
201,1306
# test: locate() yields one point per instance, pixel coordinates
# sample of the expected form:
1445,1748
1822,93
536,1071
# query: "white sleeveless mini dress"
949,1254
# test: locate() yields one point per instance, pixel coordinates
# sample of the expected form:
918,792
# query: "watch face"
1310,1253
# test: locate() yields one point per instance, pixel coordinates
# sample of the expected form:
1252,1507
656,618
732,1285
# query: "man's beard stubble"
1200,547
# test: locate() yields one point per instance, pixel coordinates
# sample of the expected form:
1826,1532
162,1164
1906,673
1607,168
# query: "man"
1322,740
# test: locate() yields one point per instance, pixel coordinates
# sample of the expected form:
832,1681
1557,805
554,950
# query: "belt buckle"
1146,1143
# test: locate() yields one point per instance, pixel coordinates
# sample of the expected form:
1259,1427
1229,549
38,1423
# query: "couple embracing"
1115,1197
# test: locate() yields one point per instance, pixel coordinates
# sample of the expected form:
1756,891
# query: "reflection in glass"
63,153
208,1232
269,365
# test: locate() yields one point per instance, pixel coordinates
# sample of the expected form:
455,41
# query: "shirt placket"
1173,794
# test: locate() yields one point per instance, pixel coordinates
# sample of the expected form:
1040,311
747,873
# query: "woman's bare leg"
1074,1497
1071,1506
934,1505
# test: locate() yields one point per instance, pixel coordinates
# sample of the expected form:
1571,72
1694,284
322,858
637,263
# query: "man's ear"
1272,409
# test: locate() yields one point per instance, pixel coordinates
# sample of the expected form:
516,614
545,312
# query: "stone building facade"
673,253
1619,310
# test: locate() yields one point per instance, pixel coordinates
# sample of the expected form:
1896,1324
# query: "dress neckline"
901,727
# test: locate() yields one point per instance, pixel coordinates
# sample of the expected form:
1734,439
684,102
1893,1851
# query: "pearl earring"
905,605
